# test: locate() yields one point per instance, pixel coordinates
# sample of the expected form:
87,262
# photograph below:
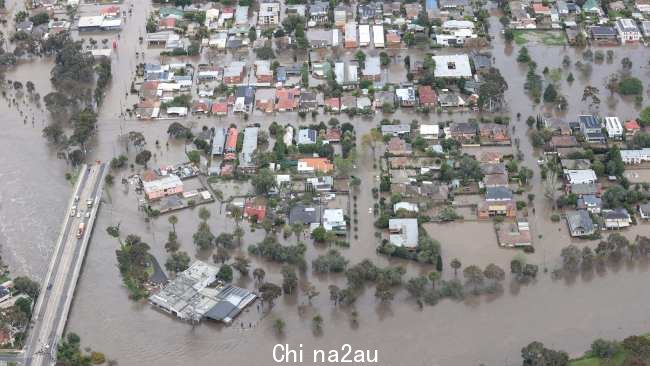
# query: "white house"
407,206
617,218
334,220
452,66
627,30
582,176
378,36
403,233
614,128
429,131
450,25
635,156
364,35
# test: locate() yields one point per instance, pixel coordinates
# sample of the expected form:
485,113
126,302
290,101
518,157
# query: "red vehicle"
80,231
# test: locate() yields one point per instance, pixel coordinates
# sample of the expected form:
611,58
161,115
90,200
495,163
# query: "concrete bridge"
57,291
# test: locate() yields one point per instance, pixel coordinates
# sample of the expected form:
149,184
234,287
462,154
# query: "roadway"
57,291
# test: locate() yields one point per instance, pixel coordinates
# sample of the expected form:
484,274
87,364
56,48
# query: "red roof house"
333,104
541,9
428,96
219,108
110,11
287,99
632,127
255,210
167,23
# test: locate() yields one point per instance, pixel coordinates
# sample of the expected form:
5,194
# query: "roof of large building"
627,25
166,182
580,175
452,66
190,298
589,121
301,213
404,232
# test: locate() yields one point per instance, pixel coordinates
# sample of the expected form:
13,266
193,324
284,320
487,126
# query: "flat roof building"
163,187
218,141
364,35
452,66
614,128
403,233
249,146
378,36
582,176
351,40
189,297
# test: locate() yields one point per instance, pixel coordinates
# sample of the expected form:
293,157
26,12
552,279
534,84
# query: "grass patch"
617,360
520,37
73,175
553,39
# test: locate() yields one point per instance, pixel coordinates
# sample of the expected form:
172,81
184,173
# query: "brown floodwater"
486,330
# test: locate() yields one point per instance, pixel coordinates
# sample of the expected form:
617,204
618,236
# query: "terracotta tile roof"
427,95
541,8
167,22
220,107
490,156
333,134
149,176
334,103
287,99
319,164
252,209
632,125
110,10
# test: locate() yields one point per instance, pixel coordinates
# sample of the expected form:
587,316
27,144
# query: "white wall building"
614,128
364,35
635,156
452,66
627,31
378,36
580,176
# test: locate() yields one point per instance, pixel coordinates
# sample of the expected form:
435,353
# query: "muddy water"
489,331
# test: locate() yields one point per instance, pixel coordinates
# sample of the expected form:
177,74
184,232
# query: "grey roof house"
580,223
304,214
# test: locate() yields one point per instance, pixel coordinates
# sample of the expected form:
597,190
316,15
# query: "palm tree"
297,229
279,325
236,214
434,276
551,186
173,220
455,264
239,234
259,274
371,139
204,214
219,196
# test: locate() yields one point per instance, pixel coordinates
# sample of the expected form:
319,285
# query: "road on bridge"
57,291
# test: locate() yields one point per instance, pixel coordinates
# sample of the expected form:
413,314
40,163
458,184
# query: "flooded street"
488,331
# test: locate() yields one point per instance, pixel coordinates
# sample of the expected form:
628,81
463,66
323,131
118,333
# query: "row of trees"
69,353
608,252
134,262
76,91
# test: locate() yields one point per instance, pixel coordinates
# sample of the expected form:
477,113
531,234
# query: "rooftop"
452,66
403,232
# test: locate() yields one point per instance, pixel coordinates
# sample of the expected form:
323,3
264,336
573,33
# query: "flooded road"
488,331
